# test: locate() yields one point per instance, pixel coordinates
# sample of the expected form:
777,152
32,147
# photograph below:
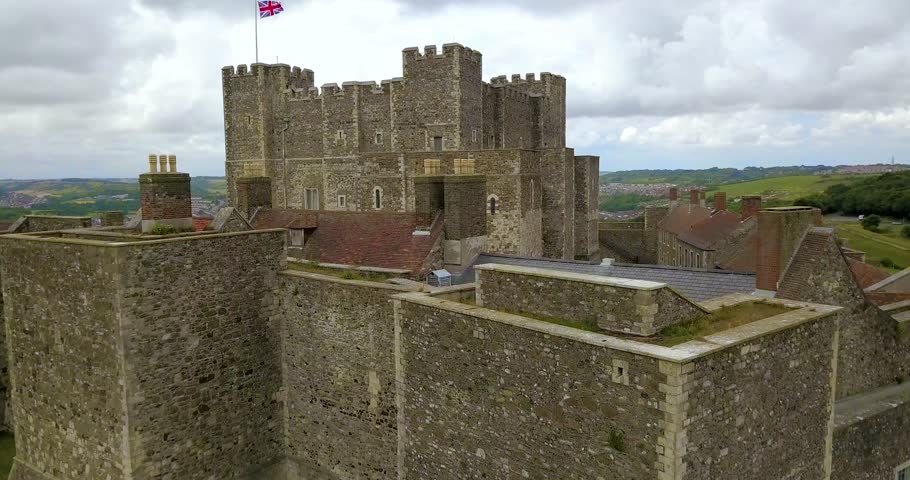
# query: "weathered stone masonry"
154,374
334,148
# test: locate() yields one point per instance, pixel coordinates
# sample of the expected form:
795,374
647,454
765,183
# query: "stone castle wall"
622,241
69,424
872,448
353,140
153,375
201,352
872,348
339,376
534,405
587,185
48,223
772,395
612,304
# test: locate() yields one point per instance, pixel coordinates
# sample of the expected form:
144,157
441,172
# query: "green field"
887,243
784,190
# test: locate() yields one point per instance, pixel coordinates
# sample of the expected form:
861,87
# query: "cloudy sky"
89,88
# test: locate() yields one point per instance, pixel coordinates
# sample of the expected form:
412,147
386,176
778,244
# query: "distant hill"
887,195
779,191
82,196
710,176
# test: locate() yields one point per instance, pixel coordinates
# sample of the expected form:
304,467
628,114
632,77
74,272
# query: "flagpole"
256,20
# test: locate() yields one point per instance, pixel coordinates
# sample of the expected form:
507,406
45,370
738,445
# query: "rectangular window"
339,136
311,199
378,138
473,134
437,144
342,201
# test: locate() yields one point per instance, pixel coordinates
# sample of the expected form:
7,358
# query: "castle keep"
148,351
368,147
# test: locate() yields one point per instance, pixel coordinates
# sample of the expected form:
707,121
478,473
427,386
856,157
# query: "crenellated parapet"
449,50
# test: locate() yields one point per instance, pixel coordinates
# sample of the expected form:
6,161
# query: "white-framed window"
340,137
377,198
379,138
902,472
473,134
342,201
311,199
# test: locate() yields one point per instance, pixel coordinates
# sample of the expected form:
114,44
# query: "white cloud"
701,74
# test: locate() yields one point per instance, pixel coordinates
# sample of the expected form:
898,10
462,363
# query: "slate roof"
694,283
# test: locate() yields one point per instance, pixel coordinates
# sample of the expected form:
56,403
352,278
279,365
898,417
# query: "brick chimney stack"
751,205
780,231
165,195
694,197
720,201
674,196
702,197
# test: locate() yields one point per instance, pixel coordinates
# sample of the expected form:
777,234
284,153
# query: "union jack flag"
268,9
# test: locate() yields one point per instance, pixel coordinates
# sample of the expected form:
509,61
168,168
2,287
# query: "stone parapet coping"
572,277
358,283
153,240
341,266
903,304
586,278
682,353
466,287
857,408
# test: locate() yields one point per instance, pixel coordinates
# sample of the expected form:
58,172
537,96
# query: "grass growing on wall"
7,451
723,319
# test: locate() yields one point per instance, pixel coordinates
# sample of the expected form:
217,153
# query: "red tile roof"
285,218
375,239
707,232
885,298
4,226
199,223
681,218
866,275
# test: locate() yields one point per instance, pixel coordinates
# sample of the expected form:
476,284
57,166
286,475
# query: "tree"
871,222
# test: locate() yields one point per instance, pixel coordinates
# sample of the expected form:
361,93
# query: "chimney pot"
162,163
153,163
172,160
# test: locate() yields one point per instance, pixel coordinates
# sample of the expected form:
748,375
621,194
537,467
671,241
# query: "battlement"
295,75
529,78
449,50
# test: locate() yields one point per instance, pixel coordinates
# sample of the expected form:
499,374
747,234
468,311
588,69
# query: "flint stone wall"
202,355
339,376
532,405
155,360
70,423
48,223
628,306
761,409
872,448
